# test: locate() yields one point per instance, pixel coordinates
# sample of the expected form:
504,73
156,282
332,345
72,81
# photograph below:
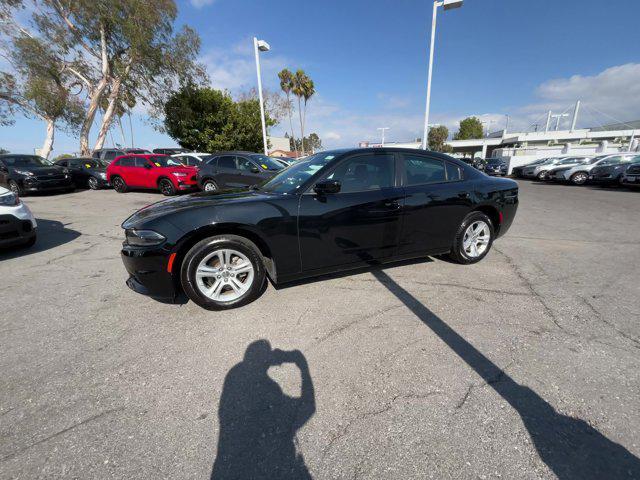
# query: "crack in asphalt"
73,252
477,289
362,318
492,381
61,432
611,325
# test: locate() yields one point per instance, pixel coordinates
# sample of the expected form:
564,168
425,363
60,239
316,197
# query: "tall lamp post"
383,129
261,46
448,5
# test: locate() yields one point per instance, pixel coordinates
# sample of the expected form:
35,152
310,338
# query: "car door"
437,198
227,174
128,171
360,223
248,172
147,172
77,171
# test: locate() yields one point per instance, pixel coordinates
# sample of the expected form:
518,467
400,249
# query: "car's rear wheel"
579,178
93,183
209,186
119,185
541,176
221,272
15,188
166,187
473,239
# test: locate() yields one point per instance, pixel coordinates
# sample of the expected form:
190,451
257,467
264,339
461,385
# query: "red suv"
157,172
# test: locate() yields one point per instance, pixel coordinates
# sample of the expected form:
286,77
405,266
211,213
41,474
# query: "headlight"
102,175
179,174
9,199
143,238
26,173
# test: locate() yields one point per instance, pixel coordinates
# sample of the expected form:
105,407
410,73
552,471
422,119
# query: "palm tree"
286,84
303,87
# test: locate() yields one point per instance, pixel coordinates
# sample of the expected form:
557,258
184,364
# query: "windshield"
597,159
267,163
26,161
615,160
292,178
164,161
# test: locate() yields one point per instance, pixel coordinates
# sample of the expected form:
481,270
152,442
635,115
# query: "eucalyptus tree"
114,48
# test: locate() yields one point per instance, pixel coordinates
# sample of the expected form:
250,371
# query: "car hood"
40,170
192,201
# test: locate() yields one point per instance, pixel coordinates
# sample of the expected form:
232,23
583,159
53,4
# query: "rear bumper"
15,231
148,275
631,180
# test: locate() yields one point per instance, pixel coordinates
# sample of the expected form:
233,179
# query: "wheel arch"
189,240
494,215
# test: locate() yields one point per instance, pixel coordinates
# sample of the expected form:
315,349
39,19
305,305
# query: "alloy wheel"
224,275
579,178
13,186
93,183
476,239
210,187
166,188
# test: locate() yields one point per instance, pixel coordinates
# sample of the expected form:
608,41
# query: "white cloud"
201,3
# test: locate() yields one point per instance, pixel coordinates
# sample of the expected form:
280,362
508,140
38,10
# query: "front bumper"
16,231
33,184
147,269
632,180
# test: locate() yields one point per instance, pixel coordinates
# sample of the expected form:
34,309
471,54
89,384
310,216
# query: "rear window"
454,172
420,170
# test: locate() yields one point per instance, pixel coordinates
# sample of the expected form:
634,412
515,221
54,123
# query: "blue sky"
369,59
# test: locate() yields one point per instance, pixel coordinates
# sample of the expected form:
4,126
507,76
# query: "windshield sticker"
157,164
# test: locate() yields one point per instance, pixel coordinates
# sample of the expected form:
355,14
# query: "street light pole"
382,129
261,46
447,4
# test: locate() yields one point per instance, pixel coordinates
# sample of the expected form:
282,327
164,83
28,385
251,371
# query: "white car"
579,174
563,165
540,171
191,159
18,226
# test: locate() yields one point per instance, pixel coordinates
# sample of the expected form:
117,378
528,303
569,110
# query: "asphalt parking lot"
526,365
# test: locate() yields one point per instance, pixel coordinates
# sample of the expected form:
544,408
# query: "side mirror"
326,187
255,169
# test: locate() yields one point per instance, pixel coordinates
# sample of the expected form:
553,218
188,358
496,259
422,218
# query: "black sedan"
24,174
226,170
611,174
86,172
496,166
332,211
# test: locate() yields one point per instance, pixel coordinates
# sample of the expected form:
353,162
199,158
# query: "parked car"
107,154
475,162
519,170
17,224
236,169
631,177
540,172
496,166
579,174
608,173
333,211
137,151
550,174
154,172
170,151
24,174
86,172
192,159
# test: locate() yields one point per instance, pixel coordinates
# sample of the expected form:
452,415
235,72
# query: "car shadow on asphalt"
51,234
569,446
258,421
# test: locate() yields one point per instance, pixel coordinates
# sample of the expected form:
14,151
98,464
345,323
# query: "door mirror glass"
327,186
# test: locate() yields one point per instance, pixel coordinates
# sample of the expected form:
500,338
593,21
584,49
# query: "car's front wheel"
473,239
119,184
541,176
579,178
15,188
93,183
166,187
209,186
221,272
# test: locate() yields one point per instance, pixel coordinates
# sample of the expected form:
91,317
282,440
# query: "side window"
365,172
63,163
227,161
110,155
140,161
421,169
454,172
213,161
244,164
126,162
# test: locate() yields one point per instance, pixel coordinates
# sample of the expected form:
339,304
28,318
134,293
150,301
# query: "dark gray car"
226,170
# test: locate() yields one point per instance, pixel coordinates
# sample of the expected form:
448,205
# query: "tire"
461,252
93,183
119,184
579,178
166,187
209,186
541,176
204,253
15,188
30,243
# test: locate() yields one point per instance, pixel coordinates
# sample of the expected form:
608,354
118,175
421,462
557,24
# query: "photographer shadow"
258,421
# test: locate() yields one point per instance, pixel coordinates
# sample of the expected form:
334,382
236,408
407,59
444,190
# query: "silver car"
579,174
540,171
567,163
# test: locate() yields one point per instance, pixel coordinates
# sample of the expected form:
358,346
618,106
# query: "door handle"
393,205
463,195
